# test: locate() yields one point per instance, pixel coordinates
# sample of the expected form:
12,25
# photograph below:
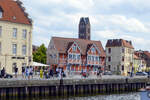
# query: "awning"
39,64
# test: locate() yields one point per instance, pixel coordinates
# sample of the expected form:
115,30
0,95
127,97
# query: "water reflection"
127,96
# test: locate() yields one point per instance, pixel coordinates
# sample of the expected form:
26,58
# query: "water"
126,96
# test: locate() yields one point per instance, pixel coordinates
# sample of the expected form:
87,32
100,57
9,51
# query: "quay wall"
69,87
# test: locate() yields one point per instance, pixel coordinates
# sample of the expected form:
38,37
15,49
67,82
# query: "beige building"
139,63
119,56
15,36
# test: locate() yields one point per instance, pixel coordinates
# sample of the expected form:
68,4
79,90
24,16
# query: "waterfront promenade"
70,86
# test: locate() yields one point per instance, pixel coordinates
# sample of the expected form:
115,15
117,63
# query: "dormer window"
93,50
74,48
1,12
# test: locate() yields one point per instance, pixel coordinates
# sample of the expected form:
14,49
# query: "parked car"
108,73
141,74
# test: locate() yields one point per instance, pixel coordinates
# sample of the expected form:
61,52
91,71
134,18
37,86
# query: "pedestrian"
57,72
23,72
27,72
51,73
3,72
41,73
16,71
31,72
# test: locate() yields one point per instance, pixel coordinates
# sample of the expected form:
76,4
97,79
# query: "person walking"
41,73
16,71
27,72
31,72
23,72
3,72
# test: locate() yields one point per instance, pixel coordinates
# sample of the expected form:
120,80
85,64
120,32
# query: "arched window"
1,12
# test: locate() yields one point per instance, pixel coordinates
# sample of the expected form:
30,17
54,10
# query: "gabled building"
15,36
139,63
74,54
145,55
119,56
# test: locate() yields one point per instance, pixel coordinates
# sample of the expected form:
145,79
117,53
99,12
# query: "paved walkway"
37,77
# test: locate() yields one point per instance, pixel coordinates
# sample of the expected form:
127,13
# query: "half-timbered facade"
76,55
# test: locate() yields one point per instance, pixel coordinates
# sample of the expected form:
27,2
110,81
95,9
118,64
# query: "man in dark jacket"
3,72
16,70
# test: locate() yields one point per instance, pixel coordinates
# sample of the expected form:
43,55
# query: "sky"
110,19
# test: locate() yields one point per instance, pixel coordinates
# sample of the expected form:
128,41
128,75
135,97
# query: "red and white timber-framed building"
75,55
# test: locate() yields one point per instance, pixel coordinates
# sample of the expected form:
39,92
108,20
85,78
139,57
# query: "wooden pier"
69,87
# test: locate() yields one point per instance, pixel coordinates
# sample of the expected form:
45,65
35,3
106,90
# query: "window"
93,50
122,67
24,50
24,33
109,50
74,57
97,59
92,58
89,58
14,32
122,50
70,56
13,67
122,58
0,31
14,49
54,56
74,48
109,67
78,57
109,59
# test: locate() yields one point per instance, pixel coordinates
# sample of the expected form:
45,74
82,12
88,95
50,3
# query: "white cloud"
109,19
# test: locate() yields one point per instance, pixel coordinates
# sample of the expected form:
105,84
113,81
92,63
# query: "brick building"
74,54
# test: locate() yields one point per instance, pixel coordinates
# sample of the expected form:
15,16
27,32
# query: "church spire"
84,28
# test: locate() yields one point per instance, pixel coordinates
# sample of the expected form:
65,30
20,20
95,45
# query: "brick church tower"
84,28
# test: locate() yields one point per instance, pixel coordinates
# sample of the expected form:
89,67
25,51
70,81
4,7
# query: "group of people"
27,72
50,73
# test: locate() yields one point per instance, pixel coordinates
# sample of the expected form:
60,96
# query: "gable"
74,48
93,50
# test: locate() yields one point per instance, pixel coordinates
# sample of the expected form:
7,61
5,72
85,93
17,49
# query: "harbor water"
125,96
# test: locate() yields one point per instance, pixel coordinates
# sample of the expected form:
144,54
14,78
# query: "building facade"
139,63
15,36
119,56
75,55
84,28
144,55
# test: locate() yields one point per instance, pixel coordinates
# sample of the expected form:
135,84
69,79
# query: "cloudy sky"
127,19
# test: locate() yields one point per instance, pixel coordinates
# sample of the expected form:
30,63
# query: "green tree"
40,54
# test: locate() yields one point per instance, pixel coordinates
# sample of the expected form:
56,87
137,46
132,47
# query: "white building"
15,36
119,56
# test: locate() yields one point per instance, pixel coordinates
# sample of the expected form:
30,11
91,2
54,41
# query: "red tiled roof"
147,53
14,12
136,57
61,44
119,43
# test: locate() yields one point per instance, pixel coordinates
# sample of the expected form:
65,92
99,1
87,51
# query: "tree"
40,54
